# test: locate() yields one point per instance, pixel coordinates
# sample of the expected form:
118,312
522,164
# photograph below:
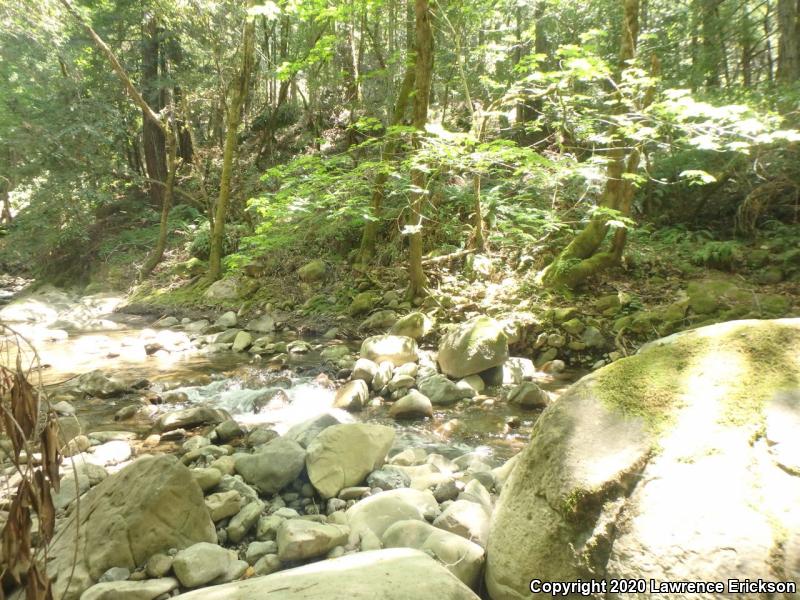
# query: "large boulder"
396,349
343,455
472,347
150,506
392,574
666,465
274,466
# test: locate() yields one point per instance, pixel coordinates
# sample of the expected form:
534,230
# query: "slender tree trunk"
583,256
788,43
153,138
5,191
422,87
234,118
167,198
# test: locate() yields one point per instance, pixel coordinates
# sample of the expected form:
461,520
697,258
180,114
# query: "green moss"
768,365
649,385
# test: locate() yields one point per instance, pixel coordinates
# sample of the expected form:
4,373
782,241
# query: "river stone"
528,395
342,455
379,511
299,539
382,376
273,466
352,396
244,521
267,564
516,370
191,417
472,347
201,563
415,325
227,337
396,349
473,383
362,303
462,558
158,565
391,574
97,384
255,550
227,431
76,481
223,504
441,391
304,432
658,466
312,271
242,341
388,478
149,589
467,519
412,406
227,320
381,319
149,506
224,289
262,324
365,370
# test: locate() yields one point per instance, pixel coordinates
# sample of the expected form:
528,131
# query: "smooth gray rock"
299,539
273,466
150,506
201,563
392,574
342,455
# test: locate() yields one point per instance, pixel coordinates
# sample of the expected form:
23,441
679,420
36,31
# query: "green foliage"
724,255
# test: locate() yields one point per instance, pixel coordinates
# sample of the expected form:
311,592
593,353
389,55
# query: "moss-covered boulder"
313,271
414,325
362,303
678,463
473,347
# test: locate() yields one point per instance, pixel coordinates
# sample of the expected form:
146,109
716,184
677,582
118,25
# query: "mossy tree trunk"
233,120
584,256
422,88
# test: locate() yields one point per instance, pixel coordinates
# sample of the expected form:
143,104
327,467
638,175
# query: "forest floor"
671,280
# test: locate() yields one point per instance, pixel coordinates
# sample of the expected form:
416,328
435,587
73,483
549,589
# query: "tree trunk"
5,191
422,87
163,229
788,43
153,138
234,118
583,256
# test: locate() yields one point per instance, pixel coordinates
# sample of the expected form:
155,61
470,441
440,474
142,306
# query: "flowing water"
255,392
